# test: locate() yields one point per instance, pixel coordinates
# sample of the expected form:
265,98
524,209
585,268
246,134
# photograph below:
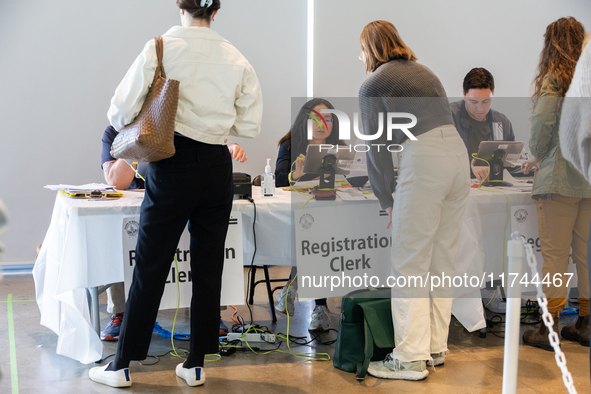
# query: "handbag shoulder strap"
159,54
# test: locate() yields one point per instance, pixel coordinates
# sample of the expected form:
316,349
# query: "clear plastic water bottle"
268,181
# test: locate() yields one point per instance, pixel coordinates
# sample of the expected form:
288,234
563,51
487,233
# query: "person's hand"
237,152
299,165
532,164
480,172
389,210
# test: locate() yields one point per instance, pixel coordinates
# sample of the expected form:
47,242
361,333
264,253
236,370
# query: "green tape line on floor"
13,371
13,301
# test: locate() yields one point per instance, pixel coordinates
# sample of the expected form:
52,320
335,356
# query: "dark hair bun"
194,8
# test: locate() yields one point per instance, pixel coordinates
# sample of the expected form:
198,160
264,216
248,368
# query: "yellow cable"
296,190
307,202
178,305
291,185
474,155
212,357
303,356
493,296
134,170
289,178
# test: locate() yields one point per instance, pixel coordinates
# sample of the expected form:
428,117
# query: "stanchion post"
516,255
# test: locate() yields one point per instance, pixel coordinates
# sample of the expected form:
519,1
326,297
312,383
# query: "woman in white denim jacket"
219,96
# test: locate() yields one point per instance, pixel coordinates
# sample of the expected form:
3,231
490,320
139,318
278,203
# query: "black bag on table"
366,332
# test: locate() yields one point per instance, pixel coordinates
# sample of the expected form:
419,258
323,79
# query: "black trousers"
194,185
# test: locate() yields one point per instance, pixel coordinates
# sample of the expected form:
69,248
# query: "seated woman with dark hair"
292,148
293,144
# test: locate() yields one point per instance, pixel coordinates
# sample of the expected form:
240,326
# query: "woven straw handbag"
150,137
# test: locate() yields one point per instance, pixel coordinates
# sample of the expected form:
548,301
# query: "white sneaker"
392,368
319,319
118,378
193,376
285,301
438,359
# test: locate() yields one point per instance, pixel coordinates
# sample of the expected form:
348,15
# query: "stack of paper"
89,187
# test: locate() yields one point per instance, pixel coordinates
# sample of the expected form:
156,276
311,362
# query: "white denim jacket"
219,93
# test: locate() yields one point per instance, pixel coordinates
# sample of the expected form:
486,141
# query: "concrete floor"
474,365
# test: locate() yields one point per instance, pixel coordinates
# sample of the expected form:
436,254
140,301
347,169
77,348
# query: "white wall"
60,62
449,37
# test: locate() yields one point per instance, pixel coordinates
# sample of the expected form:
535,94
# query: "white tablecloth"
83,248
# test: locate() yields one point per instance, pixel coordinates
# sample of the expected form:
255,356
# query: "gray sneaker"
285,301
319,319
392,368
438,359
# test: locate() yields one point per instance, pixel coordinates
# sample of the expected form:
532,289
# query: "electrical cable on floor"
304,356
102,360
174,352
528,312
157,357
234,314
238,344
301,341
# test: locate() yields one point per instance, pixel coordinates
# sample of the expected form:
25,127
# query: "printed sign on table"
341,249
232,279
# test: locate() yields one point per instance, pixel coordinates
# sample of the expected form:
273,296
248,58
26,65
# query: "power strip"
251,337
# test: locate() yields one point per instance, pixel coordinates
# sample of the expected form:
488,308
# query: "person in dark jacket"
291,148
293,144
476,121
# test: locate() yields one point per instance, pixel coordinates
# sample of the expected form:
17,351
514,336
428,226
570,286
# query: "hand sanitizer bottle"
268,181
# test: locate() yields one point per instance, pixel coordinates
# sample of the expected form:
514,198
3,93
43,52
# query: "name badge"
497,131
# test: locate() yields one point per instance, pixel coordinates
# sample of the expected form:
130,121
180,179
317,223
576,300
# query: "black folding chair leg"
252,284
270,293
267,281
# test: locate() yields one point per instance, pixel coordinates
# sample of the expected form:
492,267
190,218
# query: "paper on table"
81,188
354,194
518,185
508,177
299,185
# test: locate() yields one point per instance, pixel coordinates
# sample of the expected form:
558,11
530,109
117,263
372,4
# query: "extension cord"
251,337
245,328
